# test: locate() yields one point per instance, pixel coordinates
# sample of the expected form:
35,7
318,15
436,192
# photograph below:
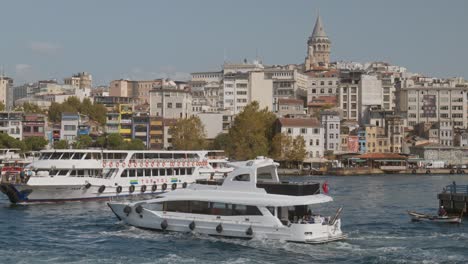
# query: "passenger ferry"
250,202
64,175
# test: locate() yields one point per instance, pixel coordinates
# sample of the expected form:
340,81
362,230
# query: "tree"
61,144
115,141
55,112
99,113
188,134
30,108
251,133
6,141
135,144
281,146
221,142
86,107
35,143
74,103
101,141
298,151
2,106
83,141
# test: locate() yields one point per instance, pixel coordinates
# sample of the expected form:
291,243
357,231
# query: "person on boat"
442,211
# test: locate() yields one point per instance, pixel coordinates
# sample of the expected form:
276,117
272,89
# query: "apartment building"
309,128
81,80
11,124
434,101
331,122
170,103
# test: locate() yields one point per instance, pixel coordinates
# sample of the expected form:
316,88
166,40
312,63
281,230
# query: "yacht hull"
227,226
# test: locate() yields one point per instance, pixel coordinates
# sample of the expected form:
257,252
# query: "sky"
113,39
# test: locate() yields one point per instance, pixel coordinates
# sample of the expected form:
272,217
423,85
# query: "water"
374,216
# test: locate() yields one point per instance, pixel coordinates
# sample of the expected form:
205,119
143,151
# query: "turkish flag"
325,187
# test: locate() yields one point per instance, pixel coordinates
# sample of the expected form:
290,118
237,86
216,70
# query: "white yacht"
63,175
250,202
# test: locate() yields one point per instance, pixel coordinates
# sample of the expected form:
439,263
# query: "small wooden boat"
434,218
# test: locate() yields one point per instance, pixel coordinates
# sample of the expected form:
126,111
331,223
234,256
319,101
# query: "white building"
6,94
170,103
331,123
11,124
434,101
310,129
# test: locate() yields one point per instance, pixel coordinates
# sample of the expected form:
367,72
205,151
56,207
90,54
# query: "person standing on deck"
442,211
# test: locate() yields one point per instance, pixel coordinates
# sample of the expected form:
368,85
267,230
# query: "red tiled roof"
323,100
381,156
299,122
330,73
290,101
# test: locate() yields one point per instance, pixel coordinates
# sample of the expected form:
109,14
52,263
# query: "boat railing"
456,188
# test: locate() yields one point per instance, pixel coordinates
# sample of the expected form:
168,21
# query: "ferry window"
165,155
139,172
108,173
151,155
80,173
176,172
242,177
77,156
56,155
96,155
169,172
87,156
179,156
192,156
62,172
131,173
189,171
138,156
66,155
147,173
182,171
45,156
73,173
155,172
177,206
124,173
162,172
52,173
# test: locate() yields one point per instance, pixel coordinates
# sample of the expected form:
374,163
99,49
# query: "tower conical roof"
319,31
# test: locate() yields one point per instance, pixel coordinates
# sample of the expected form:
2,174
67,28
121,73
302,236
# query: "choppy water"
374,216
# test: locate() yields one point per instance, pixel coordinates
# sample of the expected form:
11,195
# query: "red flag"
325,187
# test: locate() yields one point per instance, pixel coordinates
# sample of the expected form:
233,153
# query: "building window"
303,130
169,105
66,128
332,126
317,142
178,105
289,130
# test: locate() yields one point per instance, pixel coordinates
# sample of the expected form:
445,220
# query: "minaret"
318,52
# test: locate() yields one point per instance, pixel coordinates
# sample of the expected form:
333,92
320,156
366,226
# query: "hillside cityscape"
313,112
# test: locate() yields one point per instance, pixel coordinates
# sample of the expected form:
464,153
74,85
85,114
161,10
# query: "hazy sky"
149,39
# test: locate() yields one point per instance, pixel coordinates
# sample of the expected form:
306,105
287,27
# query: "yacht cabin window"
210,208
242,177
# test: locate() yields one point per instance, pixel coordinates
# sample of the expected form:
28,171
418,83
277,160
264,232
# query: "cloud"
43,47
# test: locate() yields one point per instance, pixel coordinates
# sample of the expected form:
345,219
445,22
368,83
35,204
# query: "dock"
454,198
